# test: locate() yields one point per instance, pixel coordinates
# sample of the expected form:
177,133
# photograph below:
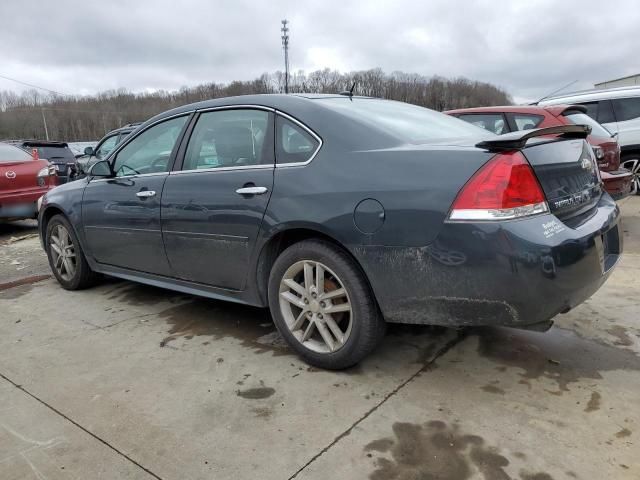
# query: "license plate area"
609,248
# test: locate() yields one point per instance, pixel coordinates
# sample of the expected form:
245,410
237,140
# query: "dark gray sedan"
340,214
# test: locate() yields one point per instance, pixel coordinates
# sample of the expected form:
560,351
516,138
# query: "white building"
629,81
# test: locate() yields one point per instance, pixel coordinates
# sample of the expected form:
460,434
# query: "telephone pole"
285,46
44,120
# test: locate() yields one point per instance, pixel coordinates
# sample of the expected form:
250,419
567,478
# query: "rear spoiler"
518,140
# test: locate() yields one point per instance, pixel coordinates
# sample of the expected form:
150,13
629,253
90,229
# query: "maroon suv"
617,181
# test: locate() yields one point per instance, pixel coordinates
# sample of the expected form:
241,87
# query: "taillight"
503,189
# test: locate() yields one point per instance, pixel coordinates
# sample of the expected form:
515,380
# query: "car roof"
39,143
593,95
554,110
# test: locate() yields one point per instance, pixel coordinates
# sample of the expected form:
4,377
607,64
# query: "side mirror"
88,151
101,169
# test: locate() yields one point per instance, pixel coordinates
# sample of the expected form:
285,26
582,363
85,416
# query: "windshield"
409,123
597,130
9,153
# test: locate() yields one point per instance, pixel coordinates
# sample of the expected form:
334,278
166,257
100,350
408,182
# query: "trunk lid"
568,173
21,176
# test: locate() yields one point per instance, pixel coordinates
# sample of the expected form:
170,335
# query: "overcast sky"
527,47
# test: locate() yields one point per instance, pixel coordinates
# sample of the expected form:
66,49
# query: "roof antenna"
349,93
553,93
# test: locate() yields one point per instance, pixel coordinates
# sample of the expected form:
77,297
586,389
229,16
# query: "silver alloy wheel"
315,306
63,253
633,164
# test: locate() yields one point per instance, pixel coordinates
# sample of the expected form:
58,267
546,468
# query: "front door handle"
251,190
146,193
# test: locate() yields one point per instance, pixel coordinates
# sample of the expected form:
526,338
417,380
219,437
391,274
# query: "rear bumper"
618,183
513,273
21,204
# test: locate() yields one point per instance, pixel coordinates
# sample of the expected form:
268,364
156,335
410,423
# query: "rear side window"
626,108
294,144
230,138
600,111
9,153
579,118
494,122
526,121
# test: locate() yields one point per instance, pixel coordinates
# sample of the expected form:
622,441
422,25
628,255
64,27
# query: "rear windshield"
9,153
409,123
597,130
54,154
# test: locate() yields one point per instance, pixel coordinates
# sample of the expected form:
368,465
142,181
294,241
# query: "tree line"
88,118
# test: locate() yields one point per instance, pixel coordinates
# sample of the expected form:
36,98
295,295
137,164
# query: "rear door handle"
146,193
251,190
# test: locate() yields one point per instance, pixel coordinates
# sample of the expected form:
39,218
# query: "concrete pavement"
129,381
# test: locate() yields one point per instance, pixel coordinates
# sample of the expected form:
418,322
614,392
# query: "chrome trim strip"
311,132
222,169
135,175
232,107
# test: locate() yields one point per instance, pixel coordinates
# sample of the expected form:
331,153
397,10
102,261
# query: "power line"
34,86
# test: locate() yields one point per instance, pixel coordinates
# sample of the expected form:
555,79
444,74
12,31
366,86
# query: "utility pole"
285,46
44,121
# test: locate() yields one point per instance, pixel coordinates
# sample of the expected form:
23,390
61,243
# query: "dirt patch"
625,432
594,403
202,317
493,389
257,393
559,356
621,334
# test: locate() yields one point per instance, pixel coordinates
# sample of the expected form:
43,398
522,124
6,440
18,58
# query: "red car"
617,181
23,180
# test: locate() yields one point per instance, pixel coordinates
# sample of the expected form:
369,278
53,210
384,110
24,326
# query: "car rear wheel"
66,259
323,306
632,163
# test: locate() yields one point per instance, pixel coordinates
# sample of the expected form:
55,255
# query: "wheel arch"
283,239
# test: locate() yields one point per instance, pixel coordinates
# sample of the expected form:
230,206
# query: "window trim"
308,130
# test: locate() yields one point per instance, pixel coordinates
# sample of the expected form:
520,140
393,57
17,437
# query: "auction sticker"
549,229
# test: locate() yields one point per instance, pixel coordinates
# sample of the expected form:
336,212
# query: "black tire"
367,325
83,276
631,161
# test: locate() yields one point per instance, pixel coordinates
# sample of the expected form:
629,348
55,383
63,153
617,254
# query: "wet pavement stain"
535,476
435,450
558,355
257,393
202,317
594,403
137,295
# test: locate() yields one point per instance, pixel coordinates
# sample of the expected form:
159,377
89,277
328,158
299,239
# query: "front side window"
294,144
150,151
494,122
107,146
626,108
230,138
526,121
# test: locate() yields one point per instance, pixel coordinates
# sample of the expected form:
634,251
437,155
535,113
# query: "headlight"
44,172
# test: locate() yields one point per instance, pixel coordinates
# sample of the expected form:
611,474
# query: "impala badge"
10,174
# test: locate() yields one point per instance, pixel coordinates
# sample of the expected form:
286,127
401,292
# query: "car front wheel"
323,306
66,259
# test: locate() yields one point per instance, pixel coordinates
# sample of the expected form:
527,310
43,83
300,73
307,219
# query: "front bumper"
513,273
